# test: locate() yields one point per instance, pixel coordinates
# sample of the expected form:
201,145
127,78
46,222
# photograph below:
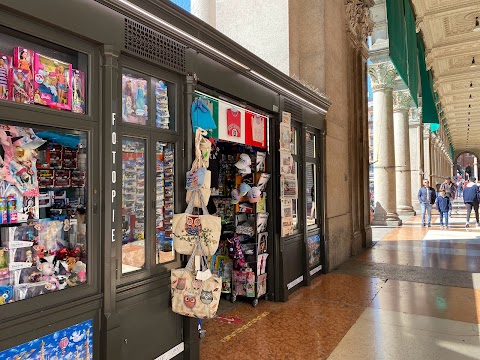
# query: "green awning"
429,109
412,52
452,152
397,38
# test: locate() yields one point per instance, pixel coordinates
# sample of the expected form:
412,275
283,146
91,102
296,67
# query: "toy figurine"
128,94
140,99
52,82
24,60
21,86
5,65
61,85
78,88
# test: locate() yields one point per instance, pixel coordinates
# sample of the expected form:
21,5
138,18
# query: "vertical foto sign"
114,172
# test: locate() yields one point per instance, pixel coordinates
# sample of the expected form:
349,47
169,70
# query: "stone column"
416,154
426,152
401,106
383,80
205,10
475,167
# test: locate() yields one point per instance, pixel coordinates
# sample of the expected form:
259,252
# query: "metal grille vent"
154,46
294,109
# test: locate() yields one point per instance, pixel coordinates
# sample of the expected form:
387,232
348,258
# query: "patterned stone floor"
414,295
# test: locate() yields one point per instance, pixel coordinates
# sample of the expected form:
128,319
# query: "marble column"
426,153
205,10
416,153
475,167
383,81
401,106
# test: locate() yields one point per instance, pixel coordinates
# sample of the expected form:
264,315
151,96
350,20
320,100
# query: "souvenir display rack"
241,260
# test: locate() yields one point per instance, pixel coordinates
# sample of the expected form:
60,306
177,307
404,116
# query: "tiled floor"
414,295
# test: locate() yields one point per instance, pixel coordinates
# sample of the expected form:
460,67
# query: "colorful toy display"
5,66
42,249
52,82
134,103
78,92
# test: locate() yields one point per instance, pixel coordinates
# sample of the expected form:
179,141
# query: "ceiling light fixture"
469,106
473,62
470,96
477,25
471,84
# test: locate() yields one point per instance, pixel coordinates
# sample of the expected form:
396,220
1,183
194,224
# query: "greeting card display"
5,66
134,100
52,82
78,92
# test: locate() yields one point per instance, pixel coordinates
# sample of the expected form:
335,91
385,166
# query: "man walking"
426,197
450,191
471,197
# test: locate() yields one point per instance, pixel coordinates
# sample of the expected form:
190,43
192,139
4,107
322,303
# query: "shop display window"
33,71
139,92
134,99
311,187
43,211
133,204
164,201
310,145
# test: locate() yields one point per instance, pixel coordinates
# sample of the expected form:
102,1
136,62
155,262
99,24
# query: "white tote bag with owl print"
186,227
195,293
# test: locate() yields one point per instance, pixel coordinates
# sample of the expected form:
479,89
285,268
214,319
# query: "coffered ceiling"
447,27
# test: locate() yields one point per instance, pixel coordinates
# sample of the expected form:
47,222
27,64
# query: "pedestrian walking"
426,197
471,198
450,191
443,205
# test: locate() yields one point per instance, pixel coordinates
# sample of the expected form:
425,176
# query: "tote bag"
186,227
191,296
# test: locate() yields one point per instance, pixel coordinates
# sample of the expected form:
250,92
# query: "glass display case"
43,208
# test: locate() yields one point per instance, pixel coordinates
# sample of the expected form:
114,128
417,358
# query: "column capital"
382,75
359,23
415,116
401,100
426,130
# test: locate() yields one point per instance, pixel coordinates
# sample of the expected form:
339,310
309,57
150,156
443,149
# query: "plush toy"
78,274
6,294
48,270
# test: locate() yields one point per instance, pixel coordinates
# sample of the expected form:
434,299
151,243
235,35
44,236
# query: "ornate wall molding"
359,23
401,100
382,75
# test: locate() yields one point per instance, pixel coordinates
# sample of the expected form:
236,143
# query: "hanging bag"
195,294
186,227
199,177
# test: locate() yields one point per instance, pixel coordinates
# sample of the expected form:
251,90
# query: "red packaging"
61,175
78,183
62,182
45,178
